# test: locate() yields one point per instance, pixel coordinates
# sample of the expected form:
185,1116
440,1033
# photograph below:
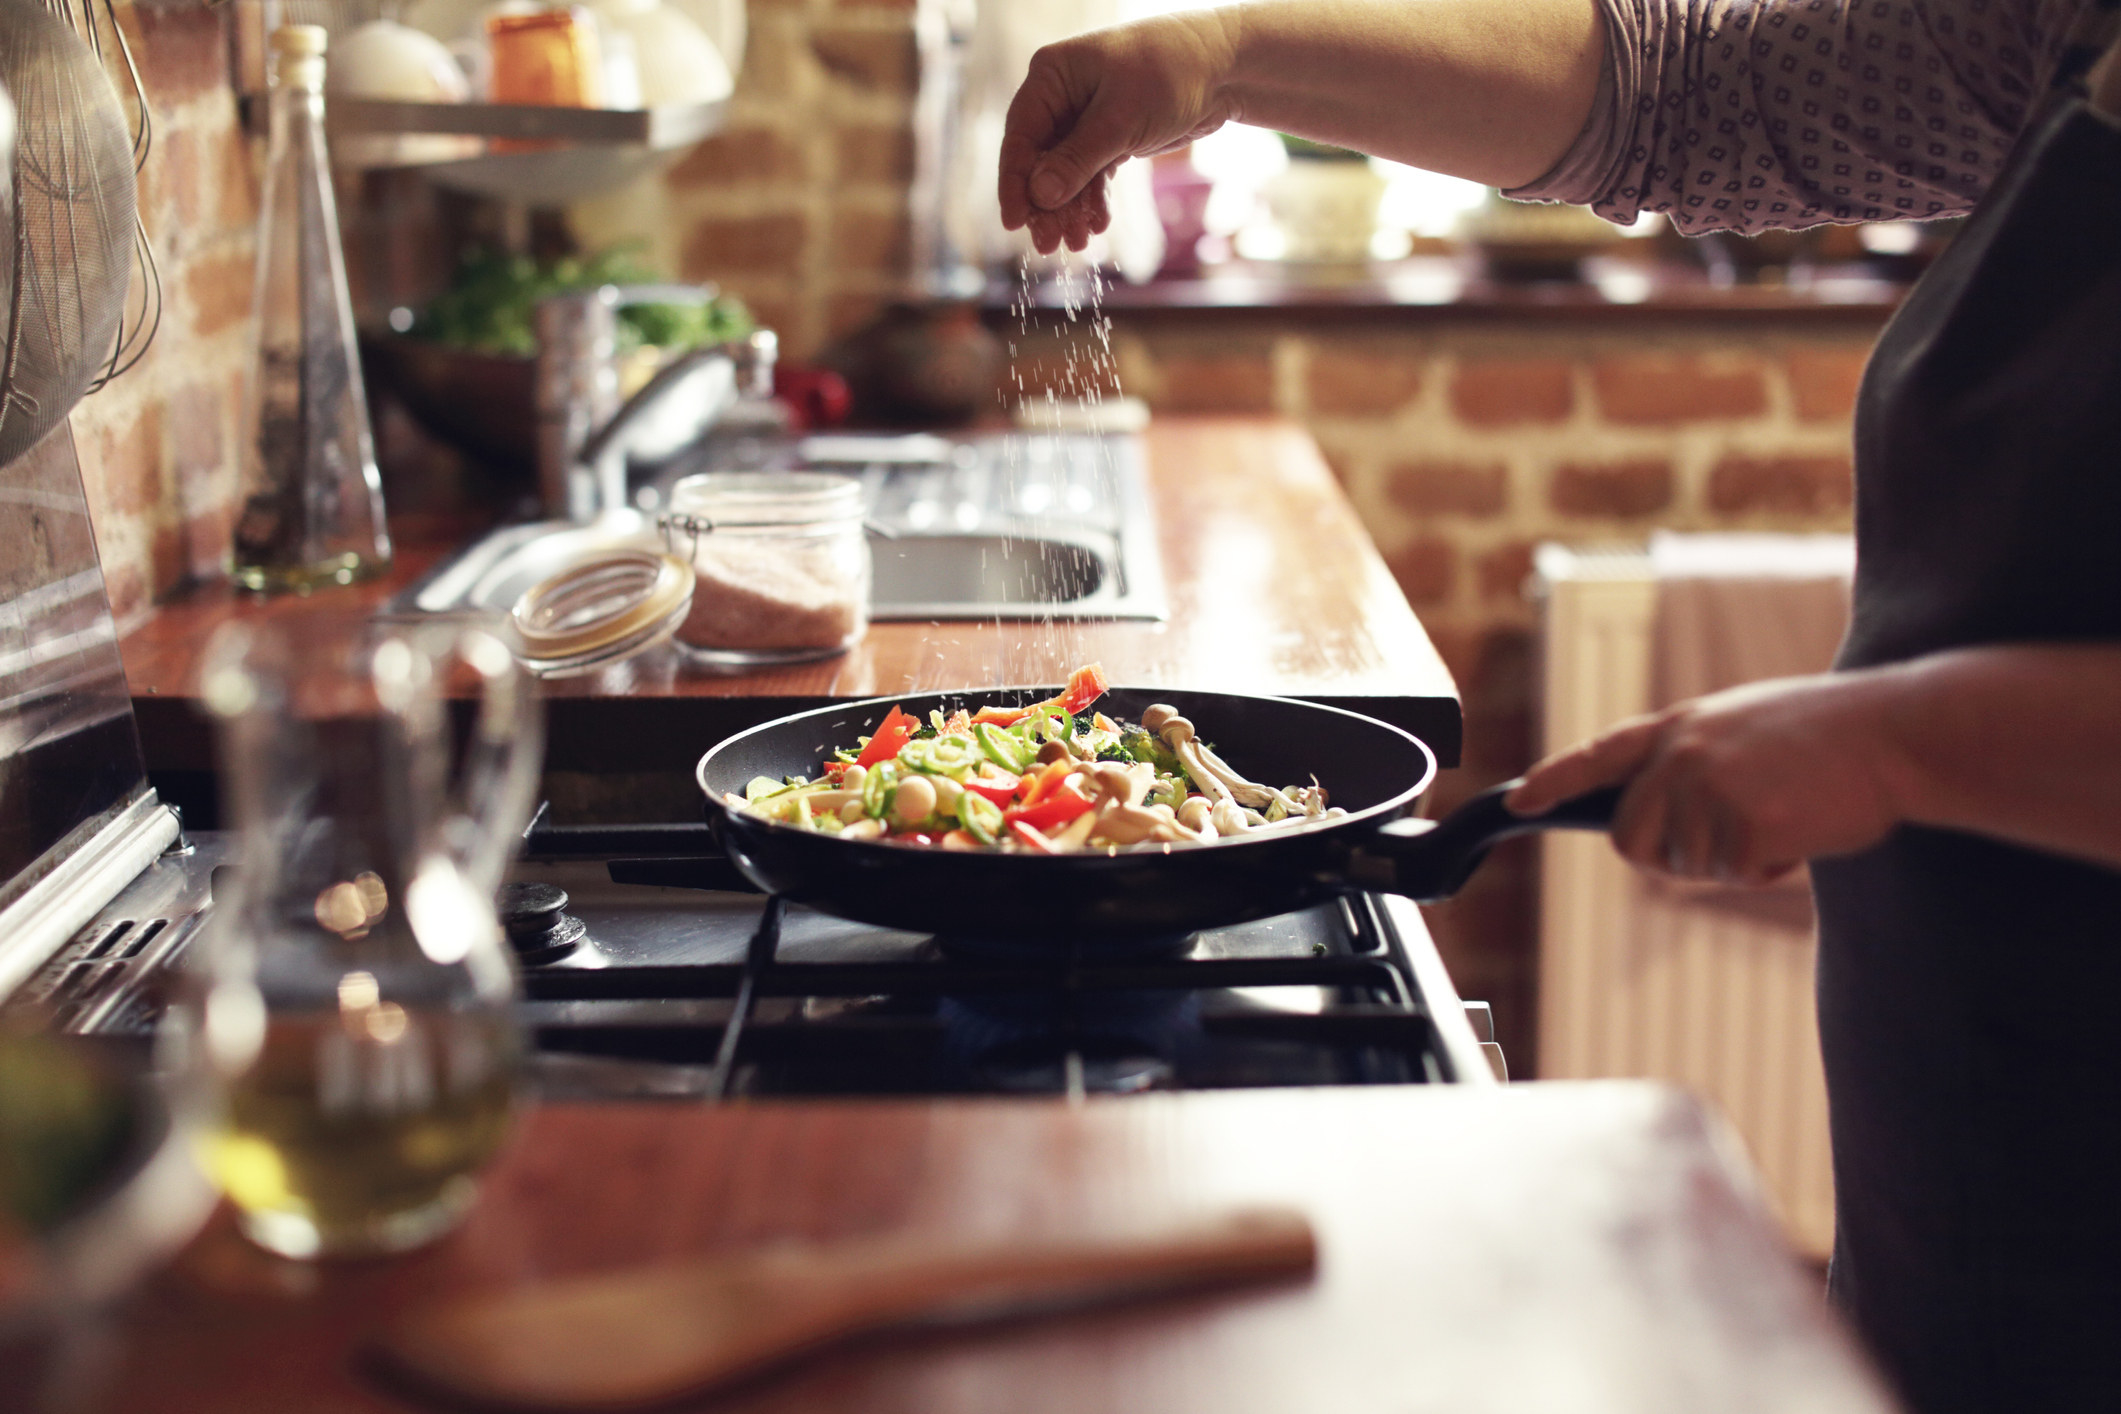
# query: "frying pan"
1373,770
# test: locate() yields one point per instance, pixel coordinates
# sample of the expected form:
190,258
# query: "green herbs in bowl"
464,366
491,306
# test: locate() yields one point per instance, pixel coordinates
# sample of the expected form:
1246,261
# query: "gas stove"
650,969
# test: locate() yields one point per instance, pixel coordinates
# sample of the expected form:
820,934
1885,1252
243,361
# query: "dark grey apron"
1970,991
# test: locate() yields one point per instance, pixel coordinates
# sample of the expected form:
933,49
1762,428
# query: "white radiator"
1637,978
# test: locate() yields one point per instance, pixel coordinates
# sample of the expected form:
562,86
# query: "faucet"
584,433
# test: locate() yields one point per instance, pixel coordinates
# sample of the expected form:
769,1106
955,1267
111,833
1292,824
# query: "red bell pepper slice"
1000,791
1033,838
958,723
1085,685
891,737
1063,805
1041,779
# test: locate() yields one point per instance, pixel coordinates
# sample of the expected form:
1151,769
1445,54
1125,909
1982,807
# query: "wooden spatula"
650,1335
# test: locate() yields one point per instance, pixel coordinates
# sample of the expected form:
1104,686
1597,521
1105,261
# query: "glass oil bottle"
311,500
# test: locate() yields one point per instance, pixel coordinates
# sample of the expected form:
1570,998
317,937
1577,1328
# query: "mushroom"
914,800
1228,817
1177,733
1195,815
1125,784
1121,817
863,829
1054,751
1131,824
1208,771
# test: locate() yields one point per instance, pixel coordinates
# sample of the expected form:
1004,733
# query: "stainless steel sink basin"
975,531
979,576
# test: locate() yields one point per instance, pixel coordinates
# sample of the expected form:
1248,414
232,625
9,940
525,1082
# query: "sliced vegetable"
877,792
891,737
1020,779
1011,753
980,817
1044,780
1058,808
994,788
953,756
1021,831
1085,685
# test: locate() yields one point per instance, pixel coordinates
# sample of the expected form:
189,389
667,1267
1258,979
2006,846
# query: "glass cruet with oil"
346,1030
311,497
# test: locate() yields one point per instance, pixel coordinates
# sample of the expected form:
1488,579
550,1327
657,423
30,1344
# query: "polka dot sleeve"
1748,114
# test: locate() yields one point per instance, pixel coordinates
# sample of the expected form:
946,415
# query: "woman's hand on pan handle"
1493,92
1745,785
2017,742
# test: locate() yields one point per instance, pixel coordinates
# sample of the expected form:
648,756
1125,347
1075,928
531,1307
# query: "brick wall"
1465,444
799,204
157,446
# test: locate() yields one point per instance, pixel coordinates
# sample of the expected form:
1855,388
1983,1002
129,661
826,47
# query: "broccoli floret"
1144,746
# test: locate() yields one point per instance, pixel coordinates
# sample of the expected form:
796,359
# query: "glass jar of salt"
781,562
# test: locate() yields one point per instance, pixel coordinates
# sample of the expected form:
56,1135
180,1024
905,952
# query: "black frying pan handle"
1431,862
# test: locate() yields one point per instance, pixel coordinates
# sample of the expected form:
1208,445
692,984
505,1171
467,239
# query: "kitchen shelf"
578,153
658,129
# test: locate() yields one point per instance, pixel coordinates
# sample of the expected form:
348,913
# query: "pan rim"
1085,860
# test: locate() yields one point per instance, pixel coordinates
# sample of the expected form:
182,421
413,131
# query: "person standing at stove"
1956,782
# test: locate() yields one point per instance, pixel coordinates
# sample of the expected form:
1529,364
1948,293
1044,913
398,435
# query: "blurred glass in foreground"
347,1028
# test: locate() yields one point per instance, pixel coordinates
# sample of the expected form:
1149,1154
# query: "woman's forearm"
2018,742
1492,90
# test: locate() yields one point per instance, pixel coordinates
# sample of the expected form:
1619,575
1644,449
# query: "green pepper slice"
952,756
1012,754
877,789
980,817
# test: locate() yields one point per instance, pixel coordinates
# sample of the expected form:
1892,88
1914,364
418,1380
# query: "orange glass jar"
548,57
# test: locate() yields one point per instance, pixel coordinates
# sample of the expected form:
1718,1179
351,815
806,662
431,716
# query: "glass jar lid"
754,499
599,610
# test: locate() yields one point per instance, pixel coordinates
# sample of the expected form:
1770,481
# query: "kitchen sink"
1011,527
936,576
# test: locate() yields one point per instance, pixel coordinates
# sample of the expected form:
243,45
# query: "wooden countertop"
1275,587
1578,1246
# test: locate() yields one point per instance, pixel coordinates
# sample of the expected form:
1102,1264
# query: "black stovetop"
684,992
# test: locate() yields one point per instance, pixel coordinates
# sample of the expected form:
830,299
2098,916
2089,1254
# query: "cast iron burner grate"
1330,999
